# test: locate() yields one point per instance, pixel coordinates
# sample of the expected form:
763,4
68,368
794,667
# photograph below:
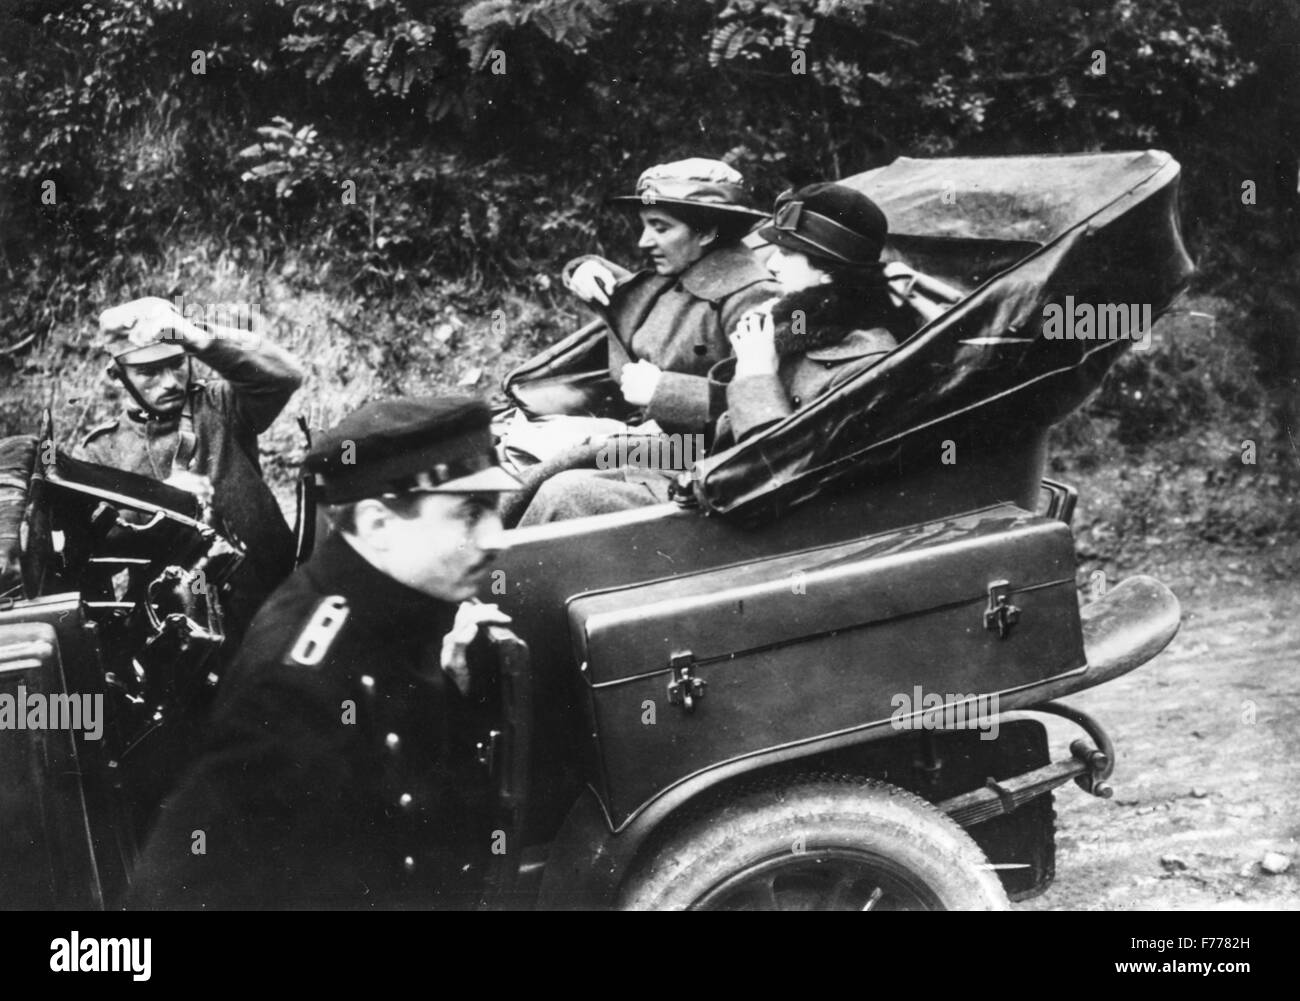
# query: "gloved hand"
592,282
470,617
754,342
639,380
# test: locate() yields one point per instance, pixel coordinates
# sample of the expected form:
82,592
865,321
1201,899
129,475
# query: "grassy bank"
1160,455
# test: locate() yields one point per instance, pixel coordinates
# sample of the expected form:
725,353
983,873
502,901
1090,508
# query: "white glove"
639,381
591,281
469,617
754,343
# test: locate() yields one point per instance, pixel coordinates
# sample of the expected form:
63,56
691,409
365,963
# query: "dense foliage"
410,146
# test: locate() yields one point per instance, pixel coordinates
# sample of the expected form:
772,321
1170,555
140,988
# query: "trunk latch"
1001,614
683,686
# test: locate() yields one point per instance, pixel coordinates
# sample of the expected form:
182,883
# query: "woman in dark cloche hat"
834,320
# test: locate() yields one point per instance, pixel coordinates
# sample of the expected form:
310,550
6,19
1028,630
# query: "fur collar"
828,316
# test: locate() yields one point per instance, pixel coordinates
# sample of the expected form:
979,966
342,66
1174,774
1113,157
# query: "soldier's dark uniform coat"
339,771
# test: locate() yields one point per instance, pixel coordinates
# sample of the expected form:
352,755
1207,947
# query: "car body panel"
818,642
47,846
548,566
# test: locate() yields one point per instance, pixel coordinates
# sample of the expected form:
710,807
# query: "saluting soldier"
201,435
340,769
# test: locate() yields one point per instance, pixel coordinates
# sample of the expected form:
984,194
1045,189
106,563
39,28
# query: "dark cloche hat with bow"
829,221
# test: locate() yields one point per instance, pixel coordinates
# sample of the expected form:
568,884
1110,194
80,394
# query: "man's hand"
469,617
592,282
754,342
153,319
639,381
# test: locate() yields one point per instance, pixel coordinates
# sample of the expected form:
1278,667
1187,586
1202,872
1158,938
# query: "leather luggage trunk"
826,641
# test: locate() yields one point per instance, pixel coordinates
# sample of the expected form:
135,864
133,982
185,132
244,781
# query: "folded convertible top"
1015,234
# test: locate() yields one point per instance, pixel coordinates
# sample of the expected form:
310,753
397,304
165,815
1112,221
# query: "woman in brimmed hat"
669,322
834,320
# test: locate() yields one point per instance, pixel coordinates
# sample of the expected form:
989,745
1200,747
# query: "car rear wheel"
817,843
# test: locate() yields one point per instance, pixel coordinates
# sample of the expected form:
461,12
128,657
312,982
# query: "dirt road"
1207,738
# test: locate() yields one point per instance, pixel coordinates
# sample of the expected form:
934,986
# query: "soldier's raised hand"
470,617
150,319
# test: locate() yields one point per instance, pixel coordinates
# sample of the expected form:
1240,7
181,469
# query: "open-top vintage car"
785,690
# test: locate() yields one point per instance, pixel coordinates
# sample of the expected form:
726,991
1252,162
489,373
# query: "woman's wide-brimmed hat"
828,221
709,186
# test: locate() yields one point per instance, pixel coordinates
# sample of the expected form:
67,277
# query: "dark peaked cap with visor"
413,445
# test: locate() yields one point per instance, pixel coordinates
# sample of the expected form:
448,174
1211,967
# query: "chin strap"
187,440
120,373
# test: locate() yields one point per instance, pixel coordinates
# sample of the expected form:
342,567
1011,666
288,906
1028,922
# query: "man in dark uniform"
339,769
201,436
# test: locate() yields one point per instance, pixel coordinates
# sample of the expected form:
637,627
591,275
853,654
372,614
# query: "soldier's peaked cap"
417,444
142,331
